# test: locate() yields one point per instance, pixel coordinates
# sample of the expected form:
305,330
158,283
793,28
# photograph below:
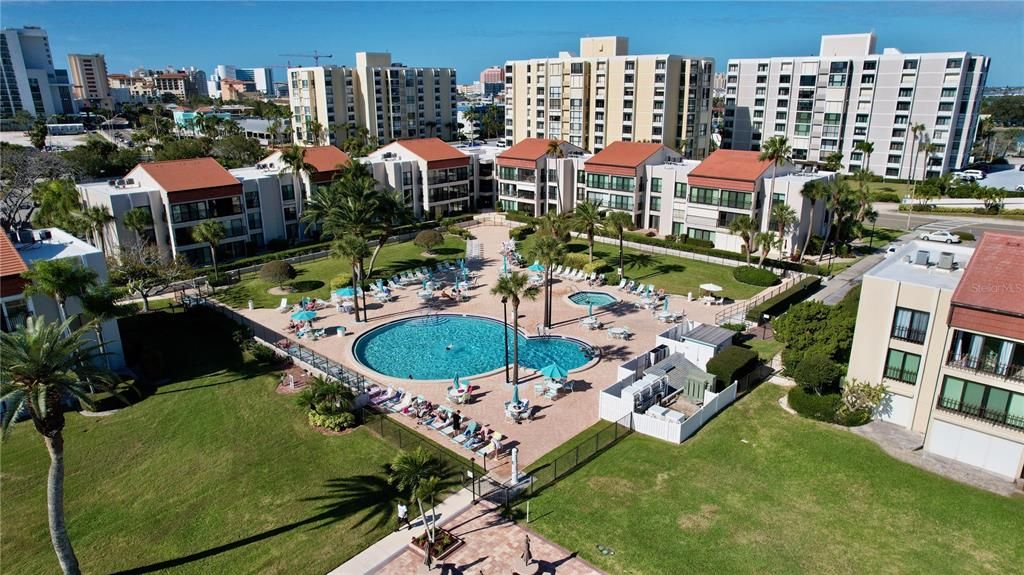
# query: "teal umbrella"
554,371
666,303
515,395
536,267
504,264
590,309
455,383
304,315
346,292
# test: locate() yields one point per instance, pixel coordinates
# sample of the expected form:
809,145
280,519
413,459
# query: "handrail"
742,307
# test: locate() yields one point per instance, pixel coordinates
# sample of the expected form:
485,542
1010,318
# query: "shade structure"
711,287
304,315
345,292
515,395
554,371
536,267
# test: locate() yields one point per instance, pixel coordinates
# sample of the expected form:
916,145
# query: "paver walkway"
493,545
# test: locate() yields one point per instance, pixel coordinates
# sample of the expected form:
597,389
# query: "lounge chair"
473,443
284,307
622,283
555,270
392,285
401,405
629,287
593,277
567,273
486,450
383,396
580,276
467,432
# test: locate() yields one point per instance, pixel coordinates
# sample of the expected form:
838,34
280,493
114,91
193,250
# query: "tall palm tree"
390,211
96,219
777,151
431,126
101,305
210,232
917,140
516,287
294,159
785,218
586,217
745,227
549,250
764,241
555,151
812,192
41,367
138,220
353,249
411,469
834,196
556,225
867,148
618,223
60,279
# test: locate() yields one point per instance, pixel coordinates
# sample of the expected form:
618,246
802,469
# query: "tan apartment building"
605,95
387,99
942,327
89,81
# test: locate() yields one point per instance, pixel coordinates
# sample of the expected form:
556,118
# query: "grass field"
213,473
676,275
314,278
761,491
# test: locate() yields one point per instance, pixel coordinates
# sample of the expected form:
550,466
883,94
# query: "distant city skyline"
472,36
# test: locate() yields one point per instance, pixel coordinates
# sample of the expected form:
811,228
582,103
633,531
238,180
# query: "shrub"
816,372
735,326
575,260
731,364
277,272
779,303
334,422
820,407
966,236
892,197
596,266
860,399
341,280
613,278
521,233
754,276
263,354
428,239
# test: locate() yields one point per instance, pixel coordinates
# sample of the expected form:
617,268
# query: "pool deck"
555,421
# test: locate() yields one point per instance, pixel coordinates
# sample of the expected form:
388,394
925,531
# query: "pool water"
443,346
595,298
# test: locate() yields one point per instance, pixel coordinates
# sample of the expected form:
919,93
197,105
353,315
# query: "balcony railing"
978,412
908,334
988,365
900,374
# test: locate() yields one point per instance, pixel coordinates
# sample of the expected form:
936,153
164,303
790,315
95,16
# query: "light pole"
504,315
909,210
871,239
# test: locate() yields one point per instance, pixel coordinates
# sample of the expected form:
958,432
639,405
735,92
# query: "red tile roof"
435,152
194,174
325,158
729,169
624,154
993,280
11,267
531,149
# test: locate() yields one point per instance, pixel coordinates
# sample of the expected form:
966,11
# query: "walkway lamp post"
504,308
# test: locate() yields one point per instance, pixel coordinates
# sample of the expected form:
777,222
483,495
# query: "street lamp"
504,315
909,210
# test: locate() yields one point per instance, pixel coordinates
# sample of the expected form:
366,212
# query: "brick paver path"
493,546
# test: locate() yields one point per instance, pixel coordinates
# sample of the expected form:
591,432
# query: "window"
902,366
902,106
987,354
993,404
655,185
630,65
680,190
785,79
906,92
697,234
910,64
867,79
287,192
252,199
954,63
862,118
946,107
896,146
910,325
894,158
948,93
655,204
289,214
703,196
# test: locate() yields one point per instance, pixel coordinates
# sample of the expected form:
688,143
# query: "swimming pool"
595,298
443,346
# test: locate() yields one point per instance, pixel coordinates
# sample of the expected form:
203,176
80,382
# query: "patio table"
617,332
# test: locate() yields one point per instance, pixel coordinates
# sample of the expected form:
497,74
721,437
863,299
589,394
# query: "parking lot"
1008,178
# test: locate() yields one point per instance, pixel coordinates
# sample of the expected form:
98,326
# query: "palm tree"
764,241
812,192
745,227
515,286
353,249
210,232
555,151
138,219
916,130
390,211
555,224
430,125
294,159
60,279
96,219
586,217
410,470
865,147
785,218
41,367
100,303
549,250
777,151
618,223
834,197
314,132
326,396
928,149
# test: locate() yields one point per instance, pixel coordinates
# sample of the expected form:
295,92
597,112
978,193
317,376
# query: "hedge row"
754,276
884,197
947,210
778,304
731,364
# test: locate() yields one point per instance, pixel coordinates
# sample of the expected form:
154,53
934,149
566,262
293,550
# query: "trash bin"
251,306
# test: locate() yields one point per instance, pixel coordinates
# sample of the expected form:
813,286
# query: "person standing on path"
527,555
403,516
457,421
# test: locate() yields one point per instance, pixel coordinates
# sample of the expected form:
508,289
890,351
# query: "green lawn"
900,189
676,275
766,348
760,491
214,473
314,278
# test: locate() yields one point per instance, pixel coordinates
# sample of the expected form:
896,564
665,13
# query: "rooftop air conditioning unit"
129,181
26,237
42,235
946,261
111,183
921,258
120,183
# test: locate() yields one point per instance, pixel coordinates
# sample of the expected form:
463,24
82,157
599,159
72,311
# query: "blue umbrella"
554,371
346,292
666,303
504,264
590,309
515,395
424,284
536,267
304,315
455,383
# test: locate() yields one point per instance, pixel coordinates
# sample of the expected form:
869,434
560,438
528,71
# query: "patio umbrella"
666,303
504,264
304,315
590,310
515,395
554,371
536,267
346,292
424,284
455,383
711,287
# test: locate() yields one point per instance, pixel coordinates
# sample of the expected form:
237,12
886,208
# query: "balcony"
905,333
978,412
900,374
988,365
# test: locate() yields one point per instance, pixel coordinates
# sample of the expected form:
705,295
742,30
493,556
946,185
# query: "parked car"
1021,167
963,177
890,249
1020,188
976,174
941,236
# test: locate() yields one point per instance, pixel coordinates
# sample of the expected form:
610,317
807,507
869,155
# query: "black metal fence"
584,450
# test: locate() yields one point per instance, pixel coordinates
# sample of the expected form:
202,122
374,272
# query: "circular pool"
440,347
594,298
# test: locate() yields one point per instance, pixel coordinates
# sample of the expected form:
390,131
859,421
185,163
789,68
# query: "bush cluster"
277,272
731,364
332,421
263,354
966,236
598,265
821,334
892,197
780,302
820,407
575,260
341,280
735,326
521,233
754,276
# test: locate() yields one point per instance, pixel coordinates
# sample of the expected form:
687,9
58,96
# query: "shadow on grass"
369,495
307,285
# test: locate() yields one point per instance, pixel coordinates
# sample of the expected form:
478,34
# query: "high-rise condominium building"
89,80
390,101
255,80
606,95
850,93
28,80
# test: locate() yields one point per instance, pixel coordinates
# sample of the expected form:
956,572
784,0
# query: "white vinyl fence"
613,408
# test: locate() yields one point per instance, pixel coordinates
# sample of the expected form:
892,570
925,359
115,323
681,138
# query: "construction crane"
316,55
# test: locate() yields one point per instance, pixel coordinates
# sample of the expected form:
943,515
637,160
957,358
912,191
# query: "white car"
976,174
1020,188
890,249
941,236
963,177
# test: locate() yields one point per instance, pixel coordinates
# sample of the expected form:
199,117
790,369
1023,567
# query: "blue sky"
470,36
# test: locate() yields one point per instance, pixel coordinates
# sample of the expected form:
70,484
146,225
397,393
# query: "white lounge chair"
555,270
284,307
593,277
579,275
622,283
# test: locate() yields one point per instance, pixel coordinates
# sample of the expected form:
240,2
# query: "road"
890,217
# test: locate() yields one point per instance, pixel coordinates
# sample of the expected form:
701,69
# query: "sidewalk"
383,551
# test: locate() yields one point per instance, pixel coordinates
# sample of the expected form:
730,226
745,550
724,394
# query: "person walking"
457,421
527,555
403,516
